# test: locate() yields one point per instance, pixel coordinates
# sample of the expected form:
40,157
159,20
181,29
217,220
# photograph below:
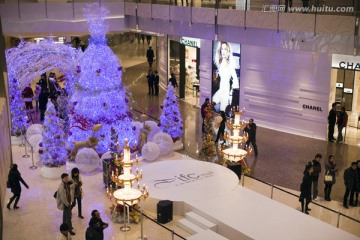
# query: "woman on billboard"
226,74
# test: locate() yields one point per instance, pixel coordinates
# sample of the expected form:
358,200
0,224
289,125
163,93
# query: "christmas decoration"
150,151
165,143
87,159
99,96
208,148
54,153
170,119
34,129
19,120
34,140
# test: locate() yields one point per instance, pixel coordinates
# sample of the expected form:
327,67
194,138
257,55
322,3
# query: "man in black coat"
305,189
150,78
315,174
156,83
14,180
43,100
102,226
150,56
250,129
350,178
332,121
91,232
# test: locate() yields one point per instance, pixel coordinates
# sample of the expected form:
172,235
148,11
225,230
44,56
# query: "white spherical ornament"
165,143
87,159
150,151
34,141
154,129
138,126
34,129
106,155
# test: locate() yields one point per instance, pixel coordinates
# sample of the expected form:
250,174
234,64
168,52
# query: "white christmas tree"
99,96
53,152
170,119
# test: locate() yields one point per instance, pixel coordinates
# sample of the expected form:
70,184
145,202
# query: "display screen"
226,76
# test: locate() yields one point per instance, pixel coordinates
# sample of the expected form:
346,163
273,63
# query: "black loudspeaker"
164,211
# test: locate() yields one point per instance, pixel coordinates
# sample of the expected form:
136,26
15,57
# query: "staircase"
199,227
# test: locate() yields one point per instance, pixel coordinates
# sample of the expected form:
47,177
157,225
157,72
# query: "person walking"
64,232
64,200
315,174
150,79
150,56
221,128
156,83
92,232
43,100
305,189
330,169
350,175
341,123
75,177
250,129
37,93
14,179
172,80
332,121
203,115
103,225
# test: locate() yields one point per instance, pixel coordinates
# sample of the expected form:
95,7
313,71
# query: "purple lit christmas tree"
170,119
53,153
99,96
19,120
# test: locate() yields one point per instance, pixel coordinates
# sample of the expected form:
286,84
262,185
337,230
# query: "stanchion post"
33,167
172,235
124,228
26,155
141,224
22,140
272,191
338,220
243,178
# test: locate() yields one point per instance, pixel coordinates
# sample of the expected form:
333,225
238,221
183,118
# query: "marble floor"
281,162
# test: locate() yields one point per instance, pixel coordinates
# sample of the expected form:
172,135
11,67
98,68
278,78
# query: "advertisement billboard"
226,75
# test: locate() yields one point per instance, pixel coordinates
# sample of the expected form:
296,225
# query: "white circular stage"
184,180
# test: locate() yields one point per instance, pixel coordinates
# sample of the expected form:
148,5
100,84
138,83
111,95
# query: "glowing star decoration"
53,153
170,119
99,96
19,120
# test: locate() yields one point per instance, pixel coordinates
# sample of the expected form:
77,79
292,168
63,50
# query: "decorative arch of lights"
29,60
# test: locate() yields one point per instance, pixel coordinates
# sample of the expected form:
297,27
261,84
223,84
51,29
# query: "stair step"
207,234
188,226
200,221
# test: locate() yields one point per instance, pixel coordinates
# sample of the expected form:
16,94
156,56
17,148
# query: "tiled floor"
281,161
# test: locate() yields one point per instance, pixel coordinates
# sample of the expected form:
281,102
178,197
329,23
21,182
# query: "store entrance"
345,91
184,63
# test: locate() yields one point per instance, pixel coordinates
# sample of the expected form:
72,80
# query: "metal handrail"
315,203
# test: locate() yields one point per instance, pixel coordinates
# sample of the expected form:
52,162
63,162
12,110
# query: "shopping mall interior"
290,66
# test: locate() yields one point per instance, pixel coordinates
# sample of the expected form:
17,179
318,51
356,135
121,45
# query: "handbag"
8,185
328,178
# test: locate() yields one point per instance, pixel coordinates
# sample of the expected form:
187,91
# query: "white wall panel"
275,84
162,51
144,10
205,69
160,11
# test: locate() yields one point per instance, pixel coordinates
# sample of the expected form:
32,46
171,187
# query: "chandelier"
236,138
123,193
